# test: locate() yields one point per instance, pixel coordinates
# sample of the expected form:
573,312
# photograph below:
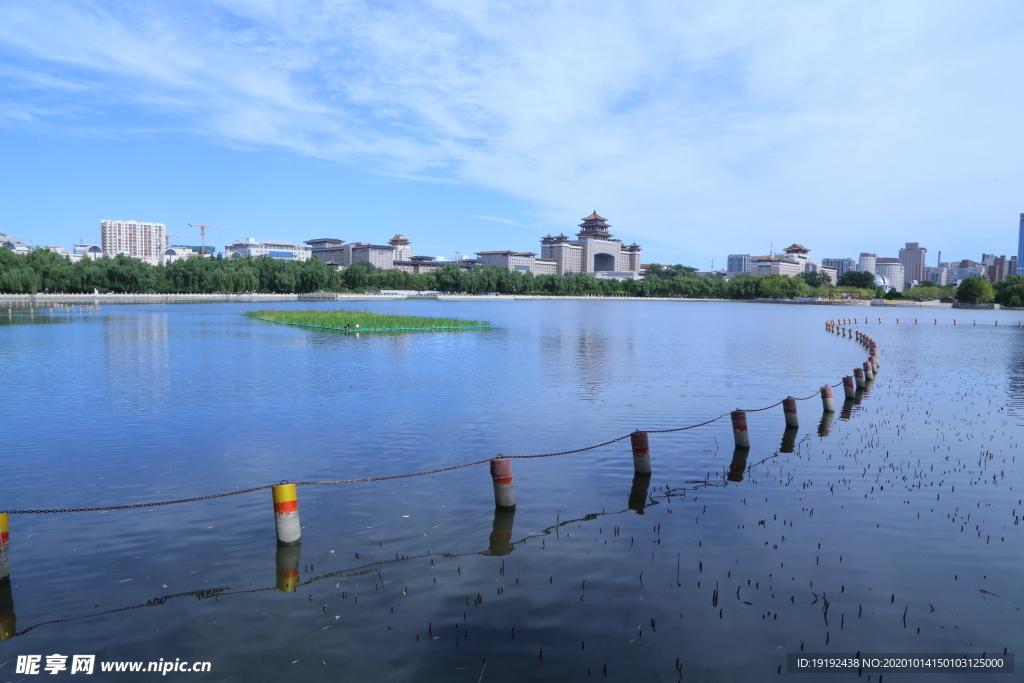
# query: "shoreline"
97,299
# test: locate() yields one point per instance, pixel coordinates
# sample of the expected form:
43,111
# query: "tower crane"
168,236
202,231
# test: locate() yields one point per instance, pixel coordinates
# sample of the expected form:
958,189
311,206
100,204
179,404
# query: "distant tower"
913,259
403,252
1020,247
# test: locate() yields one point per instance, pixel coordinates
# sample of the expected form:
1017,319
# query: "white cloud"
702,129
506,221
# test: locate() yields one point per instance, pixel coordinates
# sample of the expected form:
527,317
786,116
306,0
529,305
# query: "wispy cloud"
499,220
700,127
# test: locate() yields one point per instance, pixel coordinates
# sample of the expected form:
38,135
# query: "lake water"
895,532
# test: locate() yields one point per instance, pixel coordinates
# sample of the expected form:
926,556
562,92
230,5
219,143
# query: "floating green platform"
363,321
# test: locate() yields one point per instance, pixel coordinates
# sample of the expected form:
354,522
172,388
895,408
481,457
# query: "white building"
939,276
342,255
85,250
136,239
172,254
403,252
866,264
892,272
285,251
521,261
15,244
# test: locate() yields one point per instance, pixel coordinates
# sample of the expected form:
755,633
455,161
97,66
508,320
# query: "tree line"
45,271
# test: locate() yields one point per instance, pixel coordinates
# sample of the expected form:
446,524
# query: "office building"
285,251
520,261
889,273
1020,247
339,254
737,263
996,267
842,265
428,264
912,257
961,270
793,261
86,250
939,275
15,244
138,239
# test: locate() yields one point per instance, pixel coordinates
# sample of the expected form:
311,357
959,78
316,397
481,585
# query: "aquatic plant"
365,321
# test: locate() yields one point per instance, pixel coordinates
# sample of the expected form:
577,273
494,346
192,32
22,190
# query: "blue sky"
698,129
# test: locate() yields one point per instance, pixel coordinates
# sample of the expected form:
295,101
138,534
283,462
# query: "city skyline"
698,128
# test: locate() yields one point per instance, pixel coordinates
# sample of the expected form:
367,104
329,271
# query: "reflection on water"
137,355
500,540
287,560
638,493
8,619
739,464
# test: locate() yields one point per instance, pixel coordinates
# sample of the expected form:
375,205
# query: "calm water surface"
900,515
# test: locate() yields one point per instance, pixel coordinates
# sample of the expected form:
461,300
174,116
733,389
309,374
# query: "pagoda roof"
594,217
796,247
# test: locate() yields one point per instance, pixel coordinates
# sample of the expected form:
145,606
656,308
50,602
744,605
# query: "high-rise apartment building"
841,265
866,263
912,257
138,239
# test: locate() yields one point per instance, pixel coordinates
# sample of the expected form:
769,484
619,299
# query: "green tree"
974,290
1010,292
816,279
857,278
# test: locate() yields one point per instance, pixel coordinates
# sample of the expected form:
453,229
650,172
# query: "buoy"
501,475
848,389
869,371
789,411
5,537
641,452
739,429
286,514
828,403
858,377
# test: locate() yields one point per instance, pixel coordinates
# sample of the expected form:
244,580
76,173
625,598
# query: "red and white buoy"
789,411
858,377
641,452
739,429
848,389
828,404
286,514
501,475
